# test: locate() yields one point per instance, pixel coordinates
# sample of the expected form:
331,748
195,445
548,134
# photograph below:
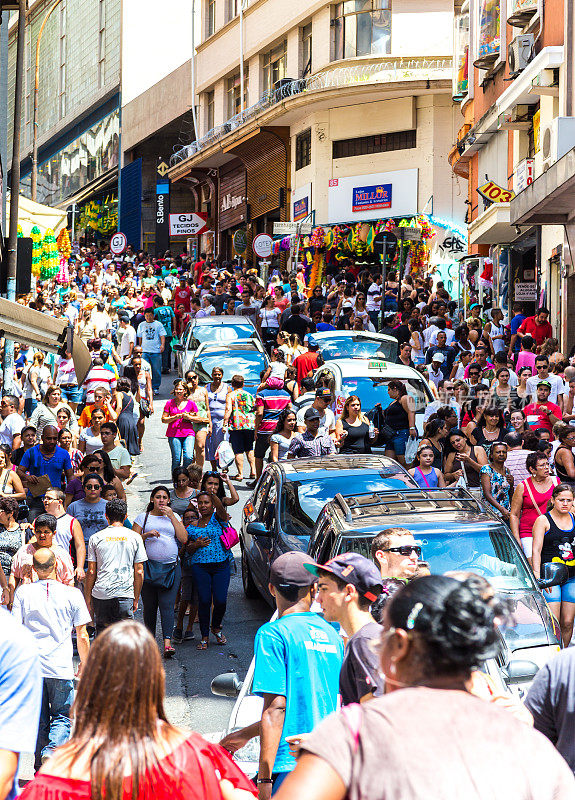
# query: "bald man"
50,610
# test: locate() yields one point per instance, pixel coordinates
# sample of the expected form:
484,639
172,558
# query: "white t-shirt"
557,386
92,441
151,335
50,611
43,376
371,303
128,338
115,550
120,457
11,425
327,422
448,333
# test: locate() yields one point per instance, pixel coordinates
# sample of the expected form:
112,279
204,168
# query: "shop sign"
371,197
364,197
525,291
262,245
240,241
489,29
230,202
523,174
162,209
287,228
300,209
190,224
494,193
524,5
118,243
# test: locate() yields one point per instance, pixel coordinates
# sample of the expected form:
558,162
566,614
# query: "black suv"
456,532
281,513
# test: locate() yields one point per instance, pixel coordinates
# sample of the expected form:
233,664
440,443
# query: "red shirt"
304,364
182,296
537,418
538,332
198,269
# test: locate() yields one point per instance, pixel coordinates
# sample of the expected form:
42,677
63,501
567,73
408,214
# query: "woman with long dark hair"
163,533
283,434
463,459
352,428
400,415
489,428
122,745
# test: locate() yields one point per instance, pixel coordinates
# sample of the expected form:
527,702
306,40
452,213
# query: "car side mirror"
226,685
258,530
521,671
553,574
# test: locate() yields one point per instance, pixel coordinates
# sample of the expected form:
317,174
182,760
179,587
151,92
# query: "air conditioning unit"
557,138
520,52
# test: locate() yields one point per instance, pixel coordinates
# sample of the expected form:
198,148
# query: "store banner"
301,202
300,209
371,197
162,209
364,197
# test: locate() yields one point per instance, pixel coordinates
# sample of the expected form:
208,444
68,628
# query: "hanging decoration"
63,242
49,260
99,215
19,233
36,237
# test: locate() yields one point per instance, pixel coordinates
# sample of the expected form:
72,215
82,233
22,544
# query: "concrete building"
334,101
514,80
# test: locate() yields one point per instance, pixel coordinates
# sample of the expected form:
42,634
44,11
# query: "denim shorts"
565,593
71,393
397,444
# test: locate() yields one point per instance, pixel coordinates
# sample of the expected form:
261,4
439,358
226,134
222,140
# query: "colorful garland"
49,258
36,237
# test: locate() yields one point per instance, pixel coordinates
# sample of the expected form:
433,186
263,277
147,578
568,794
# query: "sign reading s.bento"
371,197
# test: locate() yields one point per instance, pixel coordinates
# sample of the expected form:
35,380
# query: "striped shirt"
273,402
98,376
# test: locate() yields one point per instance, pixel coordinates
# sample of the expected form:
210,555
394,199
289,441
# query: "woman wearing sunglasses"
91,510
99,463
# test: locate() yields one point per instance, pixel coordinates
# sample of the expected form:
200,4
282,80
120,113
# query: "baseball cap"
439,358
475,305
545,383
312,413
289,570
324,393
123,315
355,569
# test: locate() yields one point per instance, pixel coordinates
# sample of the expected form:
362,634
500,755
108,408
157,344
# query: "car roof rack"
340,500
370,461
393,501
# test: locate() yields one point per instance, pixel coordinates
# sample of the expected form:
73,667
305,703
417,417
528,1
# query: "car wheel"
250,589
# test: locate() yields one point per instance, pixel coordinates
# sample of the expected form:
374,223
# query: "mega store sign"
370,197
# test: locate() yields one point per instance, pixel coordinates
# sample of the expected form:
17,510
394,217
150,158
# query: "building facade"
304,108
514,80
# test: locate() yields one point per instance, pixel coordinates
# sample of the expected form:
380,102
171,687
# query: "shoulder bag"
158,573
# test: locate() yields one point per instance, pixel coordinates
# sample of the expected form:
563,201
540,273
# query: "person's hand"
79,573
464,457
153,533
229,792
234,741
32,480
5,600
135,606
295,743
457,474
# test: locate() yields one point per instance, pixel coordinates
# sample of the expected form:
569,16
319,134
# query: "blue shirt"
299,657
214,552
36,464
325,326
514,326
165,314
20,689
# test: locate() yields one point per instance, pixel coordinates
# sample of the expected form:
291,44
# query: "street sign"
162,168
262,245
386,240
408,234
287,228
118,243
162,242
494,193
189,224
240,241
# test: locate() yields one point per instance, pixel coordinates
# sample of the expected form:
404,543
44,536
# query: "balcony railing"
392,71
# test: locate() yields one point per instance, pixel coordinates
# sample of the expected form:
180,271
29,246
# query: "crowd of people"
74,567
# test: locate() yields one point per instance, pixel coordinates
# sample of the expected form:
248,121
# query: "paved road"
188,676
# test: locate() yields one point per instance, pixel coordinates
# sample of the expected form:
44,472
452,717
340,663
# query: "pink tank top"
528,511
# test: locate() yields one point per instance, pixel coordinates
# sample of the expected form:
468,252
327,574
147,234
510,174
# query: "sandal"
220,638
202,645
168,651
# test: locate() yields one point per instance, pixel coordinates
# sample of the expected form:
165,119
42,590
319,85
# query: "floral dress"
500,486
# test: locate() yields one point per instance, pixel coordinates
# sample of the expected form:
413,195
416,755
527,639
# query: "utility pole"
15,188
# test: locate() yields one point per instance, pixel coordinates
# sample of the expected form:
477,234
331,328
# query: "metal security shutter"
131,202
266,159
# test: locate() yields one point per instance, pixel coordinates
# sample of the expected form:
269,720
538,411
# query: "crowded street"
287,400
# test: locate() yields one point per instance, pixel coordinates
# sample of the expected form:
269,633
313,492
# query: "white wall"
156,39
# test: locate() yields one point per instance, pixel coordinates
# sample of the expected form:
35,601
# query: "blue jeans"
181,446
213,581
374,318
54,726
155,361
167,355
30,404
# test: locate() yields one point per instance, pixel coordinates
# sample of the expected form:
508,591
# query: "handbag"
160,574
229,536
145,407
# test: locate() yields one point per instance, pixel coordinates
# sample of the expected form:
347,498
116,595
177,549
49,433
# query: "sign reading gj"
371,197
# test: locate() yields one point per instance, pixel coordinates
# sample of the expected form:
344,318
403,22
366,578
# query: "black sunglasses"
405,550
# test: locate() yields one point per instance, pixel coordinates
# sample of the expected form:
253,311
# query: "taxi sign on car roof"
377,365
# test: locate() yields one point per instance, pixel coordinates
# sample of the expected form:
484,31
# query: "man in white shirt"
152,338
115,573
127,336
373,301
435,375
445,390
12,422
557,384
51,611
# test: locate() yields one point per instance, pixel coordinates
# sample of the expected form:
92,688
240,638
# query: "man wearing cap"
298,658
435,374
321,403
441,348
152,337
347,585
543,413
313,442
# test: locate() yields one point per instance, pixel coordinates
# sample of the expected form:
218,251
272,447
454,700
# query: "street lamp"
34,181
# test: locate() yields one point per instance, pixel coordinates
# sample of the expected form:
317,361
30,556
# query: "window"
303,149
209,111
234,104
233,9
365,145
211,17
306,50
275,63
361,28
101,43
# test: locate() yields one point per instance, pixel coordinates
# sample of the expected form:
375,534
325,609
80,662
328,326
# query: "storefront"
232,202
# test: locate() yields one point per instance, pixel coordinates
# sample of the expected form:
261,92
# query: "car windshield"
491,553
356,347
248,363
303,499
220,333
373,390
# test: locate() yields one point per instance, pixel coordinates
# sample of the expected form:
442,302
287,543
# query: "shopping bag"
224,454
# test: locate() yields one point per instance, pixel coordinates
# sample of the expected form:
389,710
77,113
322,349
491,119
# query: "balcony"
370,72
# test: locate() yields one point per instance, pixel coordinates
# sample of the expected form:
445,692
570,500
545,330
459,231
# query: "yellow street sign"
162,168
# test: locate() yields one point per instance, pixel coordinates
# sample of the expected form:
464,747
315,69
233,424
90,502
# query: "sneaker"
156,392
189,636
177,635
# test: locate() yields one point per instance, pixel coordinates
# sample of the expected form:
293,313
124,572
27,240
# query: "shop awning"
31,213
493,226
550,199
25,325
105,181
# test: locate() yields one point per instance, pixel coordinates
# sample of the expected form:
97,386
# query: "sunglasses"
92,487
405,550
